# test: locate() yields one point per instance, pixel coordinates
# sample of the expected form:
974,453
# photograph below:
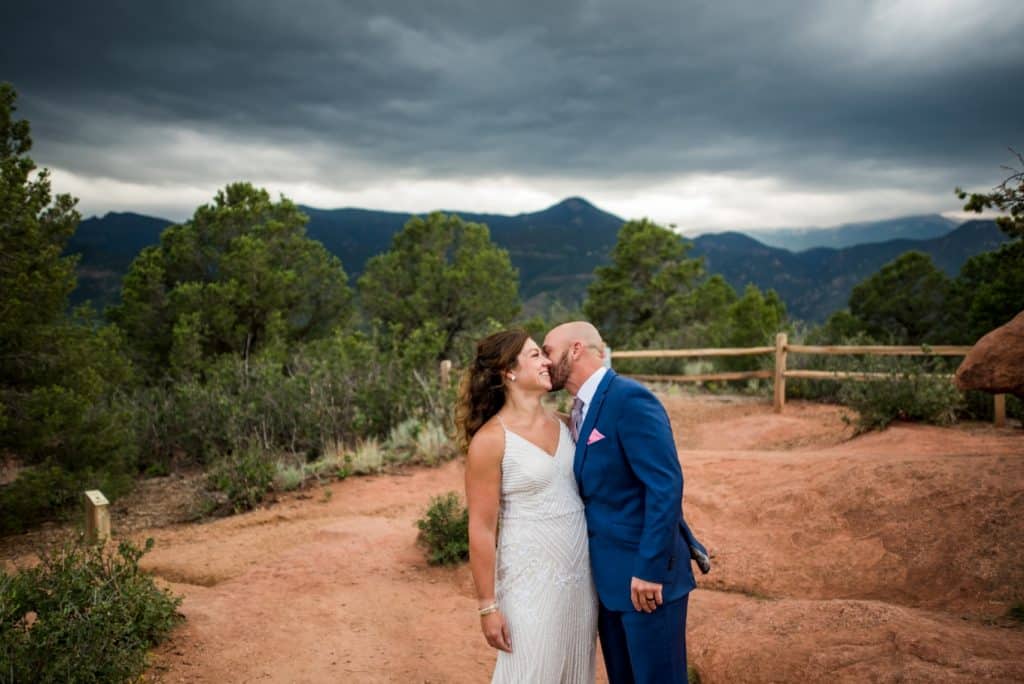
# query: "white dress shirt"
587,390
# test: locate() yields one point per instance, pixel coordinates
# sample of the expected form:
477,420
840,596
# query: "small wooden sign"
97,517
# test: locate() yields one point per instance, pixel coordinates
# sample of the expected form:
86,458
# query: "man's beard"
560,372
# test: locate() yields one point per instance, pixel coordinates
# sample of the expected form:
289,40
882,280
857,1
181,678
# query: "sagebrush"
82,615
245,477
444,530
298,400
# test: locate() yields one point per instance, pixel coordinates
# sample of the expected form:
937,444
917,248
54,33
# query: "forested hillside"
817,282
557,249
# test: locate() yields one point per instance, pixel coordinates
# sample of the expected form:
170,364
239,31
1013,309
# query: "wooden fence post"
1000,410
446,371
97,517
780,372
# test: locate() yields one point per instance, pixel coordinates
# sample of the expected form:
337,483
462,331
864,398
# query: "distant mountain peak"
574,205
576,202
576,209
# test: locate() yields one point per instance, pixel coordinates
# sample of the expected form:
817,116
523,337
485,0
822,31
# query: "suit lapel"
588,425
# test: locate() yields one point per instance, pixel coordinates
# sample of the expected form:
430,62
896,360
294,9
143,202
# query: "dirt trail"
888,557
314,592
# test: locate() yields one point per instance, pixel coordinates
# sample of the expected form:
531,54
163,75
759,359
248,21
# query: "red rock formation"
996,363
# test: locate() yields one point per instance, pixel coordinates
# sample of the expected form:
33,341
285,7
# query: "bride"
527,531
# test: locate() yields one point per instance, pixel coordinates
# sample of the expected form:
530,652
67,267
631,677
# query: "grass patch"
419,441
433,445
288,477
242,480
368,457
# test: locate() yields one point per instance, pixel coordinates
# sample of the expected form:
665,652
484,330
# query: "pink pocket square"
595,436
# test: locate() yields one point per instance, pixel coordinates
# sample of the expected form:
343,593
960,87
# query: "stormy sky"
707,115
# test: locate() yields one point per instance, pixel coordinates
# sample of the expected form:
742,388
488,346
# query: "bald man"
629,478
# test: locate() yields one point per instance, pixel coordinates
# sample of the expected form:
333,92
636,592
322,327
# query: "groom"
631,484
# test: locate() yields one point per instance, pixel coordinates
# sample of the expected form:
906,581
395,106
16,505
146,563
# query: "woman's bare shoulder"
488,442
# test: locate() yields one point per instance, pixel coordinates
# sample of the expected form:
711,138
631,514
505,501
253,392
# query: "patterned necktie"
576,418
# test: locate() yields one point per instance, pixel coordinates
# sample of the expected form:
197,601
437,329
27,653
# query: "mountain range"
816,282
850,234
557,249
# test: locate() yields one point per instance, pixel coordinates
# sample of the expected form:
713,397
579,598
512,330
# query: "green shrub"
298,400
47,491
288,477
444,530
241,481
908,393
82,615
244,476
34,497
70,424
916,388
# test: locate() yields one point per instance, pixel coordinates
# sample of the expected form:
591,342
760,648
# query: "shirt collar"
588,388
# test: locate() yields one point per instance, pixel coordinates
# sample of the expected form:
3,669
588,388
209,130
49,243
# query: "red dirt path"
888,557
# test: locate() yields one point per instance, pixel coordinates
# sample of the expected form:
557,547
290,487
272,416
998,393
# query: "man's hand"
646,596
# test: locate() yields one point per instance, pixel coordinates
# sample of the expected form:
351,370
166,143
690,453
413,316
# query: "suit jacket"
629,478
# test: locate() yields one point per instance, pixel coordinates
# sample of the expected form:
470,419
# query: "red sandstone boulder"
996,363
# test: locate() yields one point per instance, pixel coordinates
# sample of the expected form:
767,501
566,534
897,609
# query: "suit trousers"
645,648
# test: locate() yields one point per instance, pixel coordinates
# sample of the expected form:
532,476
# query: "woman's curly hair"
482,393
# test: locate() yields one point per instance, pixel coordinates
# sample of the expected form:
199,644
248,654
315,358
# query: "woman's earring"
512,377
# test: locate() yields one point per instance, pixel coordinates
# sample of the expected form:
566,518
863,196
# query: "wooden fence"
782,350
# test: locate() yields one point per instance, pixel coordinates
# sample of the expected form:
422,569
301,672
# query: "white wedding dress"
544,587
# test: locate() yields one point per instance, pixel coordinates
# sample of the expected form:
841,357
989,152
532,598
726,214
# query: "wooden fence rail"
780,373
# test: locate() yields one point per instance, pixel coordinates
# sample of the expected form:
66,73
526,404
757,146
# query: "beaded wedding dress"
544,587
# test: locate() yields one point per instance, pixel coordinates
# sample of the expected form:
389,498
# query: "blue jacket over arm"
629,478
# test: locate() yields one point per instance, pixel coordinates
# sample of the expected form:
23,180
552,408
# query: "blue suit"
629,478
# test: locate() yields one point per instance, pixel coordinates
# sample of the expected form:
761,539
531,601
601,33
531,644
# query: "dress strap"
498,416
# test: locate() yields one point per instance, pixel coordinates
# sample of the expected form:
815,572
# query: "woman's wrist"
486,606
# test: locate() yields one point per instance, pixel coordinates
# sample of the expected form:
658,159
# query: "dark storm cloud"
822,94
